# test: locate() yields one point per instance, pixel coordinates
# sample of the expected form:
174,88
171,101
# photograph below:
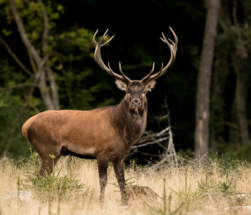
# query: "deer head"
135,90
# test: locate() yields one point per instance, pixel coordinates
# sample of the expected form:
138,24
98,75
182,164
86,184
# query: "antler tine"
124,76
175,44
112,73
94,37
175,36
163,37
115,75
108,40
102,38
173,49
143,80
171,41
159,73
162,71
98,58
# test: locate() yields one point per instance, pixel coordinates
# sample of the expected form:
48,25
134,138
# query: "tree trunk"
217,112
203,88
239,124
233,136
242,68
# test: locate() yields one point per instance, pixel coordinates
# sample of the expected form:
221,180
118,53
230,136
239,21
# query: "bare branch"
163,131
55,98
17,86
44,89
169,155
33,66
54,90
34,55
44,61
150,136
147,154
15,57
150,143
158,118
26,84
46,26
23,33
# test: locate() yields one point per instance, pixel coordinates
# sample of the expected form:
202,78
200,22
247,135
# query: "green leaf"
59,67
60,7
52,156
6,32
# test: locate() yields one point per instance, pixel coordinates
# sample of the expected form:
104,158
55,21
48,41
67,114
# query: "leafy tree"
50,60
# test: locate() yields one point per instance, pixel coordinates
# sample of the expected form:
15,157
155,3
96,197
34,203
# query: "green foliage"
52,184
209,186
205,187
227,168
67,47
11,102
148,209
127,183
81,83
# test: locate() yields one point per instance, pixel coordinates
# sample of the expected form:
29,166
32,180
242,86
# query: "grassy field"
217,188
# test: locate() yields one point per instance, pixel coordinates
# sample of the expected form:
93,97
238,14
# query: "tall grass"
73,188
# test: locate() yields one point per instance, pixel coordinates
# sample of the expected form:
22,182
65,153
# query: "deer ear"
150,85
121,85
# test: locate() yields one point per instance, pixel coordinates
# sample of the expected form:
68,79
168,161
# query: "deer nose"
136,102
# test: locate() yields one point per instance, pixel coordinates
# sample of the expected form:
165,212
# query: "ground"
191,188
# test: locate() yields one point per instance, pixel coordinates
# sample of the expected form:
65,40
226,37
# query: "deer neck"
130,123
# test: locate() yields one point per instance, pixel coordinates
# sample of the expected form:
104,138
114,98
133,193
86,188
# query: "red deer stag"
106,134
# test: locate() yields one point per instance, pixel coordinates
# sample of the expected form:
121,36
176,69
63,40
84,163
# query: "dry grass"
189,188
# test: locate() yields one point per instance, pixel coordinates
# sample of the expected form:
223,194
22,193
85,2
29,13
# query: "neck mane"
129,122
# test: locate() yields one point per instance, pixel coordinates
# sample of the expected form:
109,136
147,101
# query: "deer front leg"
102,169
119,172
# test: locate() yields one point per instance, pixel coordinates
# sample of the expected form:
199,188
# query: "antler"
173,49
99,61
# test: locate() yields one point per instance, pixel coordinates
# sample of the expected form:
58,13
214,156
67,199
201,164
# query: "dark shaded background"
137,26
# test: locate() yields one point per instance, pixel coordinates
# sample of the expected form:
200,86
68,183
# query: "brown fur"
26,126
106,134
80,130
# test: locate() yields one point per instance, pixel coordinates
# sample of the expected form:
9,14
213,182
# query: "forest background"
52,67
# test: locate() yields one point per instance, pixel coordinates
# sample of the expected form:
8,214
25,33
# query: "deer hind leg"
45,145
48,163
102,169
118,166
49,156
